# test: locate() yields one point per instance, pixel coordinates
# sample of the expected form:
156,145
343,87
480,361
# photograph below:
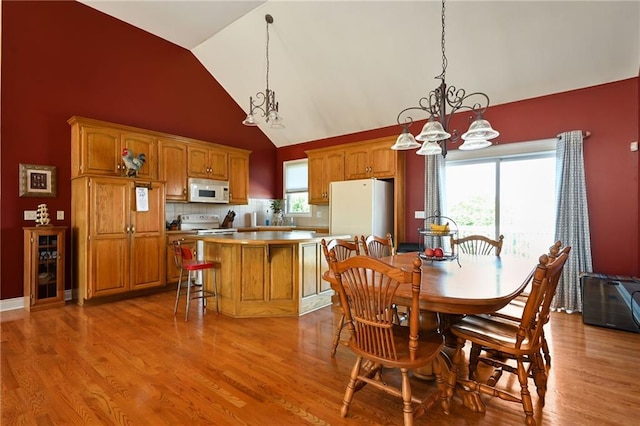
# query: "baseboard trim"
18,302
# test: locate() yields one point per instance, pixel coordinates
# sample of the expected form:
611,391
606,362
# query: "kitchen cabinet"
173,168
118,249
44,254
206,162
239,177
325,166
96,149
370,160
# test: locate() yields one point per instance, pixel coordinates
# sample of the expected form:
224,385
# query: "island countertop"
271,237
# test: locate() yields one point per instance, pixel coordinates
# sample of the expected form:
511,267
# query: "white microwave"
208,191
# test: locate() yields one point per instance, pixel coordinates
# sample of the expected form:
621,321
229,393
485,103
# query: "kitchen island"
269,273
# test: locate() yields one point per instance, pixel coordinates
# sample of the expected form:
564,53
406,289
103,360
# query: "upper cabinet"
207,162
325,166
173,168
238,177
370,160
97,149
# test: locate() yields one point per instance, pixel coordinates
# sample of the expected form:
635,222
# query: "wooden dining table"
477,284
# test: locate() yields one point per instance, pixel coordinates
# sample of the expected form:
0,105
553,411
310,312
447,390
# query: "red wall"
609,112
61,59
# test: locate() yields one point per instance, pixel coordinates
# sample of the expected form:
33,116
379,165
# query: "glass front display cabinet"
44,267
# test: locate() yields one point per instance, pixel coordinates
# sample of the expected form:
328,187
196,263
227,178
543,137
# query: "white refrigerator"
361,207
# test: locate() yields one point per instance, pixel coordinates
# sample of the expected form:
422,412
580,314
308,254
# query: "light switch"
60,215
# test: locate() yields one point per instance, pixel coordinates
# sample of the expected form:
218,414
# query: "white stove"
204,224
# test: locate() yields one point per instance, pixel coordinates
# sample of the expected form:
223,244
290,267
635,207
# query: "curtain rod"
585,134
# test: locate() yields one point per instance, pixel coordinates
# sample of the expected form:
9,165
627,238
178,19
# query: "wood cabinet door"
238,178
108,237
138,144
334,169
100,151
197,162
218,164
382,161
147,249
356,163
317,186
173,169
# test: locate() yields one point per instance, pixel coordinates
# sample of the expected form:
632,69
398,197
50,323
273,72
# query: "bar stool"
185,261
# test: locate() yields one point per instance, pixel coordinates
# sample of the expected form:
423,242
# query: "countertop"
270,237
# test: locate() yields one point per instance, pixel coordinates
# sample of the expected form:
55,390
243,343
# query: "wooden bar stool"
185,261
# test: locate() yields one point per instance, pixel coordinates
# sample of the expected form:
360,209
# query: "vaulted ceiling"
340,67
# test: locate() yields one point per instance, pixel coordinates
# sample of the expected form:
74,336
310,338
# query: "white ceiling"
340,67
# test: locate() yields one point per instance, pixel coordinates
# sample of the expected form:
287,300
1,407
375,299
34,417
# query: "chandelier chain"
267,57
444,56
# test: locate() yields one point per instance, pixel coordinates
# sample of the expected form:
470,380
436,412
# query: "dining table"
475,284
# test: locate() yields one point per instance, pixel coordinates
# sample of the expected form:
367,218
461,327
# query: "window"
296,188
509,195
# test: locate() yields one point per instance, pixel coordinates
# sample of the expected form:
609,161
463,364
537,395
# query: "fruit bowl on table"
436,258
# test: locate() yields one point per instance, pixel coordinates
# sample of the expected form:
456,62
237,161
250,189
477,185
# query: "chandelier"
435,133
265,102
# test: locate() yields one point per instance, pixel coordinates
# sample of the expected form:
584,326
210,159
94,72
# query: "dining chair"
477,244
344,249
379,343
513,311
519,341
378,247
375,246
183,254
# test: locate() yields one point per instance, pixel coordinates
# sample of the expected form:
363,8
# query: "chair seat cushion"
430,344
196,265
494,332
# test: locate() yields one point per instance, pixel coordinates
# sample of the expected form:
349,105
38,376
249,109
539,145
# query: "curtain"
434,184
572,220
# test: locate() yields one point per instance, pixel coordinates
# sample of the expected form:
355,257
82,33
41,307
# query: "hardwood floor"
132,363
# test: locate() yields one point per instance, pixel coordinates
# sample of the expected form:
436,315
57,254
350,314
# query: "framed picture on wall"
37,181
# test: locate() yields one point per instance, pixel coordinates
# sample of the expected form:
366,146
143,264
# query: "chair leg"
458,357
351,387
215,289
186,314
407,409
336,337
527,404
175,308
474,354
545,349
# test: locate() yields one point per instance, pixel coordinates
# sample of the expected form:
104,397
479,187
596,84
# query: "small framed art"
37,181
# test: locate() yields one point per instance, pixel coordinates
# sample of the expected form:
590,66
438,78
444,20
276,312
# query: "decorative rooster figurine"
133,164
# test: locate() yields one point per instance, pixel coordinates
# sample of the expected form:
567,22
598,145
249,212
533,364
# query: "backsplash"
319,214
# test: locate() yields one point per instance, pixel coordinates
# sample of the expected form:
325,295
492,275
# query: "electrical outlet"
29,215
318,214
419,215
60,215
633,146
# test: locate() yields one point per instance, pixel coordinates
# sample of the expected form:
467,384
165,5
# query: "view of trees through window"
296,189
513,196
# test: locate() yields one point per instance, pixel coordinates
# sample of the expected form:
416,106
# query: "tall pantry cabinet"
118,223
117,248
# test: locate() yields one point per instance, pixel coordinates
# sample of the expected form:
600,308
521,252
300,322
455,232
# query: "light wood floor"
132,363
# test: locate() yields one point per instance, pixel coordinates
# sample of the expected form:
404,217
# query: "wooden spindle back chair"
375,246
343,249
376,339
520,341
477,244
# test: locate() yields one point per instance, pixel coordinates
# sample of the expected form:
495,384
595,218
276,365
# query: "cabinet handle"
133,229
184,191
